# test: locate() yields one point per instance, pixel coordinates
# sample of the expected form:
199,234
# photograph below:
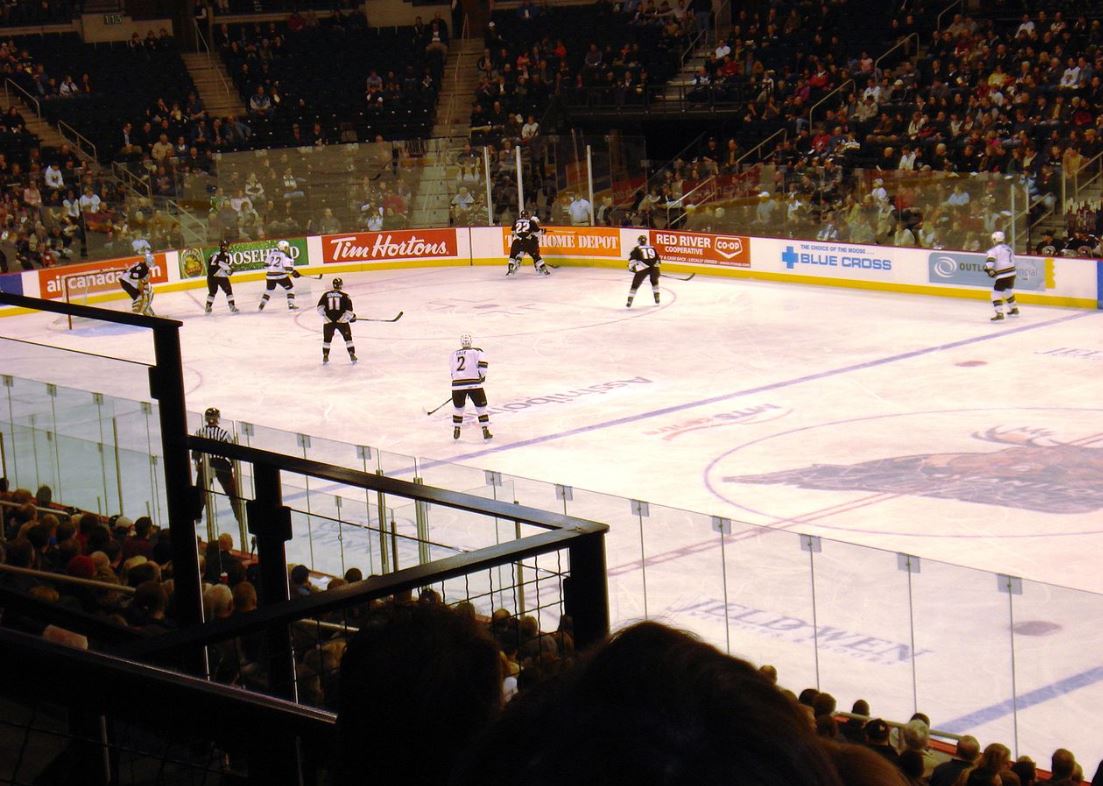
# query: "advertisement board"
93,277
574,241
727,250
960,268
389,245
248,255
839,259
12,283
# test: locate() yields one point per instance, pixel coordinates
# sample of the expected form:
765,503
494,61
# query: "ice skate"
998,317
629,303
234,309
207,309
456,432
292,307
1014,312
261,306
656,298
352,357
486,433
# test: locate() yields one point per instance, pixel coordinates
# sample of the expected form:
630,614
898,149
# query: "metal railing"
8,83
1078,185
214,63
906,39
62,578
946,10
84,146
130,181
827,98
782,132
707,189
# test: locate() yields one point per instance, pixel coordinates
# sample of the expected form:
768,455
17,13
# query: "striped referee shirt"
207,431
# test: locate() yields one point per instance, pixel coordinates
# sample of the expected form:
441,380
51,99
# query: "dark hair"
651,706
1027,772
300,574
823,704
44,496
911,763
142,526
150,597
808,696
354,574
418,682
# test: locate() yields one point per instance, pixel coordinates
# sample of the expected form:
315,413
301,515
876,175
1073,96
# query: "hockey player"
135,281
644,262
1000,267
219,269
468,374
526,240
279,267
221,466
335,307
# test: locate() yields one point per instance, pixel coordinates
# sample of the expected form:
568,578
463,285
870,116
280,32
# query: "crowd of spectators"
496,698
1020,99
372,81
536,52
294,191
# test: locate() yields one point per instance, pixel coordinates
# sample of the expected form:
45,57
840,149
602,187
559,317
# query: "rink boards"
1058,281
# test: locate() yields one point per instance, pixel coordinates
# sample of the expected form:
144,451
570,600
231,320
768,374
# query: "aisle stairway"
216,91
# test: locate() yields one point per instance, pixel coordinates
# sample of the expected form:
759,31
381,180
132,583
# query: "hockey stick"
432,411
393,319
679,278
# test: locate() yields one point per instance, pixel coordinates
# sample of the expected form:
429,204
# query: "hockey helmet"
642,240
338,283
523,213
998,237
212,415
223,245
284,246
465,341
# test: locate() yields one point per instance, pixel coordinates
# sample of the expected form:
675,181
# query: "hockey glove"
991,273
295,273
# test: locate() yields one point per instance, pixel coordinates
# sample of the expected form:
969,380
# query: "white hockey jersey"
136,273
468,368
278,264
1001,259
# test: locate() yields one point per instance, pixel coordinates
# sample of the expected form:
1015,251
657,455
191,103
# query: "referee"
223,469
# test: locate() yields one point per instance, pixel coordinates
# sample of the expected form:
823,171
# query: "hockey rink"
885,424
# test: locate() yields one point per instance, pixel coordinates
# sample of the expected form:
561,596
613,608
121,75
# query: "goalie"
135,281
280,269
644,263
335,307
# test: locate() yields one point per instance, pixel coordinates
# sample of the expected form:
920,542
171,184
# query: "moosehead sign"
388,245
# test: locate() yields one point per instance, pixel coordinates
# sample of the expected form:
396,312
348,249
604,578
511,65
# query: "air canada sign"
386,246
728,250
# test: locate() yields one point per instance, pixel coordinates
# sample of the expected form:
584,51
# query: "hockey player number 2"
461,362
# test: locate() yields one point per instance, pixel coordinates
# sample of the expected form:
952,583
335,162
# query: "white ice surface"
725,382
